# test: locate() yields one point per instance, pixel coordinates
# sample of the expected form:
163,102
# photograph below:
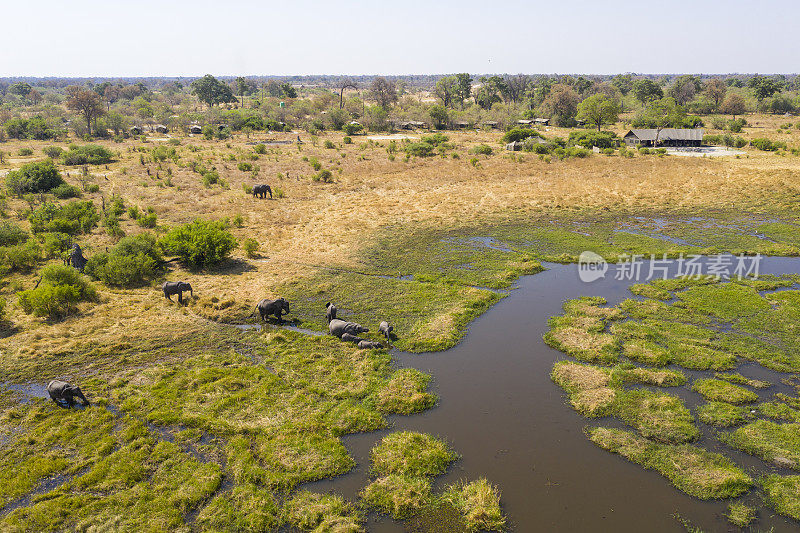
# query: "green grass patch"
397,495
781,493
723,414
740,515
773,442
479,504
658,416
411,454
717,390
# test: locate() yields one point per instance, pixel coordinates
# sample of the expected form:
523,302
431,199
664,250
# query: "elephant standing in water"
340,327
62,392
386,330
330,312
176,287
277,308
261,191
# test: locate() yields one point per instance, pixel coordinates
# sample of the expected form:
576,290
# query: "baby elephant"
346,337
277,308
340,327
62,392
369,345
176,287
386,330
330,312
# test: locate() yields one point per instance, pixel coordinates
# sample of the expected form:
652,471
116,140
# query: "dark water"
499,409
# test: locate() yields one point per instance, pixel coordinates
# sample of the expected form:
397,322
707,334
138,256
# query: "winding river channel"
511,424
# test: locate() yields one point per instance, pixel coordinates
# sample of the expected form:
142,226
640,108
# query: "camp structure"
664,137
195,128
160,128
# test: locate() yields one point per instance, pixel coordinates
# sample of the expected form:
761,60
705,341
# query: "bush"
11,234
90,154
61,287
323,175
260,149
2,309
132,262
329,144
72,218
589,139
20,257
315,164
245,167
25,152
736,125
41,176
55,244
352,128
147,220
162,153
251,247
65,191
200,243
347,140
481,149
767,146
419,149
519,134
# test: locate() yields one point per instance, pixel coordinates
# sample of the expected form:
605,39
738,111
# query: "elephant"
340,327
261,191
176,287
386,330
330,312
62,392
278,308
368,345
76,258
347,337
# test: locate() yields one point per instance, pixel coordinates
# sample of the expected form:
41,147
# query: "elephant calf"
261,191
386,330
368,345
346,337
330,312
176,287
277,308
340,327
62,392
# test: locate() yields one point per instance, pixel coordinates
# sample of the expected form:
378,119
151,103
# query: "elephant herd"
349,331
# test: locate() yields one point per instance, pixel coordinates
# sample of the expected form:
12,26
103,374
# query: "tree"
623,82
763,87
715,89
20,89
36,177
288,91
86,102
664,113
489,92
733,105
647,90
514,88
383,92
684,89
345,83
561,104
200,243
463,87
438,116
243,87
445,90
211,91
598,109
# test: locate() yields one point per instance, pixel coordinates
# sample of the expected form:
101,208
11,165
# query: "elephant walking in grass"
340,327
261,191
368,345
76,258
176,287
346,337
386,330
330,312
62,392
277,308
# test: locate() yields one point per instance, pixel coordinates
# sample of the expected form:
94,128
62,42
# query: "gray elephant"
76,258
368,345
346,337
330,312
386,330
176,287
62,392
261,191
340,327
277,308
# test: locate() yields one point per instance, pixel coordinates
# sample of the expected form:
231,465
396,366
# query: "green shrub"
352,128
65,191
72,218
245,167
736,125
278,192
767,146
162,153
323,175
41,176
200,243
519,134
2,309
147,220
419,149
247,188
589,139
481,149
20,257
315,164
435,139
25,152
251,247
260,149
238,220
329,144
54,244
90,154
132,262
60,288
347,140
11,234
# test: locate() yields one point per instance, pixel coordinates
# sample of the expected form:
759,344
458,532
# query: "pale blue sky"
244,37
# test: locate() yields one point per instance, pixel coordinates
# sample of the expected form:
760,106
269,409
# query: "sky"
299,37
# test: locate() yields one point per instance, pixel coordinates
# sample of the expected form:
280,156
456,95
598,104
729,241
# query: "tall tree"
463,87
383,92
243,87
211,91
561,104
345,83
647,90
715,89
684,89
446,90
733,105
598,109
515,87
85,101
